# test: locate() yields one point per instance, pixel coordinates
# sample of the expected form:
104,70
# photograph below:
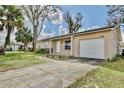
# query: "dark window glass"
68,45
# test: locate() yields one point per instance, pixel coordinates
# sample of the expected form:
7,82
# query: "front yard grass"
115,65
14,60
108,74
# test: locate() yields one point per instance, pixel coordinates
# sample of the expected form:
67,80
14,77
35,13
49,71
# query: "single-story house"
100,43
15,46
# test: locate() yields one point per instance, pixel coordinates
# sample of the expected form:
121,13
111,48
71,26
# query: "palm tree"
10,18
24,36
74,24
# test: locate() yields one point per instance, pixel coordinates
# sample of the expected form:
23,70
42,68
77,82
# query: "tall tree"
116,17
116,14
74,24
10,18
24,35
37,15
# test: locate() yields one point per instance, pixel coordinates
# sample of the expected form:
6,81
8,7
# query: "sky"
93,16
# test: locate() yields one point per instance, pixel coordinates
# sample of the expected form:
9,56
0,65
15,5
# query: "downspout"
72,44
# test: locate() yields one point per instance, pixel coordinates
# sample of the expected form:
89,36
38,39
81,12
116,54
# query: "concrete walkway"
50,75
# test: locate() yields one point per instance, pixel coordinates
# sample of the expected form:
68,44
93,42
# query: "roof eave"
79,33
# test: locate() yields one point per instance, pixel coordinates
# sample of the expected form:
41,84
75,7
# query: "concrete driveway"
50,75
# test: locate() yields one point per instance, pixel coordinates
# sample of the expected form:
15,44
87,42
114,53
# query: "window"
46,44
68,45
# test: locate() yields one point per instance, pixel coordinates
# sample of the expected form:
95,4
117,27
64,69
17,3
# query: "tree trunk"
7,39
34,46
26,47
35,32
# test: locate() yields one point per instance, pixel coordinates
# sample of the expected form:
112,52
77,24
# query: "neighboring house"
102,43
15,46
121,47
30,45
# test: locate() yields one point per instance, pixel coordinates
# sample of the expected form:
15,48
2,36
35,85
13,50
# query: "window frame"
65,48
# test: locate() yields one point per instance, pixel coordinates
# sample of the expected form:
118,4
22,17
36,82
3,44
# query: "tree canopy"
116,14
74,24
10,17
24,35
37,14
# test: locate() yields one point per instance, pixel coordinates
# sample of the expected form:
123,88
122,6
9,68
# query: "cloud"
26,18
46,34
81,29
93,27
62,30
3,36
60,26
57,18
44,26
89,28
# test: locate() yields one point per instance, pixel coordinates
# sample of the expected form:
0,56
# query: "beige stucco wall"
42,44
62,50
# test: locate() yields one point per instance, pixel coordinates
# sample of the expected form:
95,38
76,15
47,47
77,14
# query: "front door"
57,46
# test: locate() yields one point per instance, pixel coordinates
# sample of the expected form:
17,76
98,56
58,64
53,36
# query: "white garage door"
92,48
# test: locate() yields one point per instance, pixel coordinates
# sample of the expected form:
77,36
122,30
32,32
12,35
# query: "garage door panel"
92,48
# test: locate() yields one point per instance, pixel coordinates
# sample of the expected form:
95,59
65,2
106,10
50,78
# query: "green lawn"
14,60
108,74
116,65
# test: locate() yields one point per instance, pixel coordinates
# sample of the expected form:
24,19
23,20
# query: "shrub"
57,57
42,51
2,51
30,49
117,57
21,48
72,57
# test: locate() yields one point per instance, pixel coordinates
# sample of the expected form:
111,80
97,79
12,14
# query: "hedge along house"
102,43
